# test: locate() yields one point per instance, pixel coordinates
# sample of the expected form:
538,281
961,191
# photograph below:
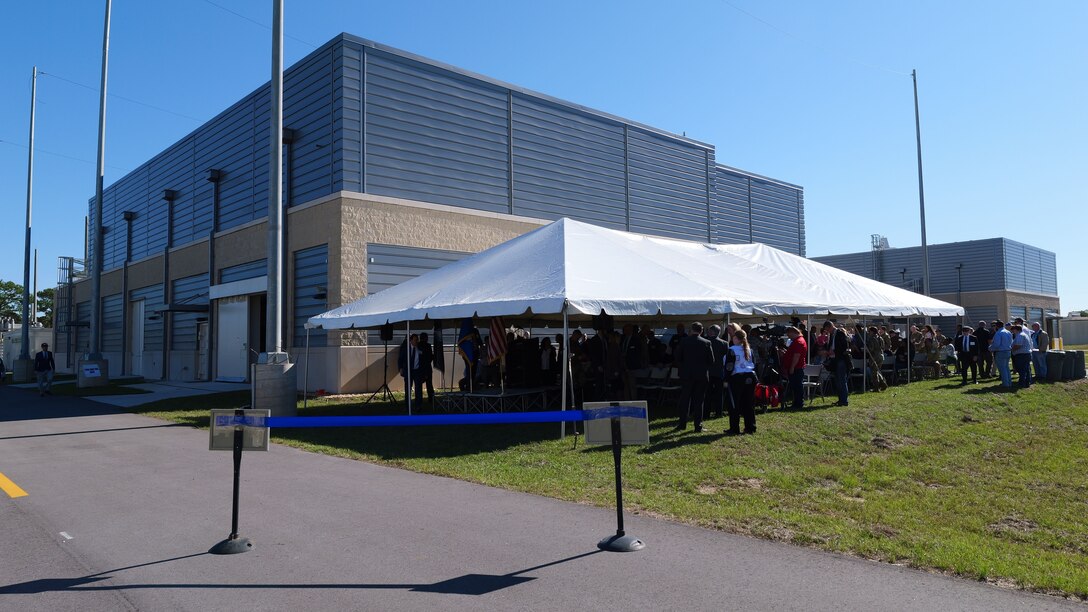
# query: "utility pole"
23,369
34,295
921,188
274,385
274,326
96,371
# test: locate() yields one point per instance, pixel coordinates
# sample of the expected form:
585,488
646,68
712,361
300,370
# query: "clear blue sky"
817,94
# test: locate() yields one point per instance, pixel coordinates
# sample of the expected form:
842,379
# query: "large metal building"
394,165
995,278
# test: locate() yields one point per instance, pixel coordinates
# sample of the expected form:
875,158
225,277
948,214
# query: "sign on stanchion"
237,430
610,427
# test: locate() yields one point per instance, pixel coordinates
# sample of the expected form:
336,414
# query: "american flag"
496,344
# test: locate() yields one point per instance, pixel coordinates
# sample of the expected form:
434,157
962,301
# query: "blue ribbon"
568,416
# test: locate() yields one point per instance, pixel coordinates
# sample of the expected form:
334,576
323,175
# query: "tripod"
386,393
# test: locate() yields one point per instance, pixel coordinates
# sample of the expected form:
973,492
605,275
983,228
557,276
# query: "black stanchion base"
232,546
618,543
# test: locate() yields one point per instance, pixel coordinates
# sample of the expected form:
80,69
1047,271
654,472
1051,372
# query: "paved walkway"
121,509
167,390
155,391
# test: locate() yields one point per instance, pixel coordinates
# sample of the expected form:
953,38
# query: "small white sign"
632,430
254,431
91,370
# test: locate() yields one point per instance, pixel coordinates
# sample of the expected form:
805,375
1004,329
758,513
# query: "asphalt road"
121,509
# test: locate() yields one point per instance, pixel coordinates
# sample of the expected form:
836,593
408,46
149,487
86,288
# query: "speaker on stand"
386,333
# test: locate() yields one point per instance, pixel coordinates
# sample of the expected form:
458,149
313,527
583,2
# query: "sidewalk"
142,500
156,391
167,390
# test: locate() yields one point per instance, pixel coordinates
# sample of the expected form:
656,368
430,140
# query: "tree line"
11,303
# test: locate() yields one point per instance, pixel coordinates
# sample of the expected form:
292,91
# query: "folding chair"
650,388
671,388
857,371
815,378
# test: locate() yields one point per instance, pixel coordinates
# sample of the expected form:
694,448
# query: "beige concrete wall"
1002,300
364,219
347,222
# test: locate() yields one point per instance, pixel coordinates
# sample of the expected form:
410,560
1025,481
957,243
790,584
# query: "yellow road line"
10,487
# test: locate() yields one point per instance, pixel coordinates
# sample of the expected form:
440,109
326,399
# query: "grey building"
995,278
394,164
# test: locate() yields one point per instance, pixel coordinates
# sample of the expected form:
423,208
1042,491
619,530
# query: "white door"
231,351
136,364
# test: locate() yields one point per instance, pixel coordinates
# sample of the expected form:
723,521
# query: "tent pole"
910,361
808,338
306,371
408,365
566,366
864,351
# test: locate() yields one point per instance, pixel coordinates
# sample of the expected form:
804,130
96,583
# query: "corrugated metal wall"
251,269
749,208
82,334
985,265
311,279
235,142
371,119
433,136
112,322
392,265
669,187
981,269
731,210
152,297
188,290
980,313
776,216
1030,269
567,164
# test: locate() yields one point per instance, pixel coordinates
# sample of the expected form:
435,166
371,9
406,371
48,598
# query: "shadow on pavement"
25,405
469,584
72,433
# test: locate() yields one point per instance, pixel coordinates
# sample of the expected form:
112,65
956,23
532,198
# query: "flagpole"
921,188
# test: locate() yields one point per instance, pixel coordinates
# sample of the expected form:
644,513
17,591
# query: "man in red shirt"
794,360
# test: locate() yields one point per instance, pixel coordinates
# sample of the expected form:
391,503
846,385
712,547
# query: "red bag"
767,395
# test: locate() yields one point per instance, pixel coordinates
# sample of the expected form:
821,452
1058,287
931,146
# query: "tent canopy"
591,269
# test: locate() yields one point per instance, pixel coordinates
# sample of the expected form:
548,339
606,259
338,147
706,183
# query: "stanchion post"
617,449
621,542
235,544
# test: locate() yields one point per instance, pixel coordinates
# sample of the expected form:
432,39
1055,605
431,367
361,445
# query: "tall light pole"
24,352
274,385
274,301
921,188
94,370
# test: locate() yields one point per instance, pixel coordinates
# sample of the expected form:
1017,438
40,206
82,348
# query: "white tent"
592,269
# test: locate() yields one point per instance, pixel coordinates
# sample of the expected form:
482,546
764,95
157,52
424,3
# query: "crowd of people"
719,369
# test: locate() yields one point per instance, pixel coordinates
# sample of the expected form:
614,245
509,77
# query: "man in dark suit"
694,358
715,396
838,353
966,345
633,356
408,364
985,357
425,374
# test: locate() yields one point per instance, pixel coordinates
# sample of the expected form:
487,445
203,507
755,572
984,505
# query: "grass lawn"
966,480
